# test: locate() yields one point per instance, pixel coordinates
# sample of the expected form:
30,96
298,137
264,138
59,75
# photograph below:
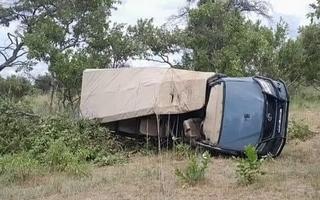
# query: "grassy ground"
294,175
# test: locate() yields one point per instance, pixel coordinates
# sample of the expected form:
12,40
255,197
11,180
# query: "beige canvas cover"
116,94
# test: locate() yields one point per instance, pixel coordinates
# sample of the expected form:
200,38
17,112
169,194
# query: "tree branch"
164,59
4,55
15,53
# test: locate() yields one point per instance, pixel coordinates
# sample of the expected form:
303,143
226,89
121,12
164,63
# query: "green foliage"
302,54
316,11
219,37
17,125
69,36
43,83
309,38
195,170
249,168
22,130
298,130
15,87
60,158
18,167
182,151
291,58
76,134
155,43
223,40
58,141
306,97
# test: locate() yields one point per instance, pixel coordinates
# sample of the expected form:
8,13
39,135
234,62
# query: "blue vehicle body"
255,111
243,114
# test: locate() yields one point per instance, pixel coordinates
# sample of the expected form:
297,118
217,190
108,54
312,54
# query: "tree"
47,26
43,82
310,40
15,87
219,38
155,43
291,60
12,53
68,35
316,11
207,35
305,55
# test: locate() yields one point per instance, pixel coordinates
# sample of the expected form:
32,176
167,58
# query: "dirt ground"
294,175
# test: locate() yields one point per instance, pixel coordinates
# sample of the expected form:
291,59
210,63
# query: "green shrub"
18,167
17,126
22,130
299,131
195,170
182,151
58,141
59,158
249,168
15,87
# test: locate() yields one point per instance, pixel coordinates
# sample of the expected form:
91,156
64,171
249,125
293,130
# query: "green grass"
305,98
18,168
195,170
299,130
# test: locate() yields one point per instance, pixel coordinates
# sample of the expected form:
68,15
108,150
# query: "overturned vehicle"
221,113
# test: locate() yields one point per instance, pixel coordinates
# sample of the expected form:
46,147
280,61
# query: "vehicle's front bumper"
274,143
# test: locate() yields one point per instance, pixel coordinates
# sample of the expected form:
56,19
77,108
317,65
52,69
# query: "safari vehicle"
221,113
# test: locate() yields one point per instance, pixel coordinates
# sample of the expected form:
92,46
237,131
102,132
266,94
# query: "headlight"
266,86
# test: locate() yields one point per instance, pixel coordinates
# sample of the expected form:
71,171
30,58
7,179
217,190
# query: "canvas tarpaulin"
116,94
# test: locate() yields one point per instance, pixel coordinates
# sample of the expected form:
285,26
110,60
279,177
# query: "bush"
18,124
15,87
249,168
58,141
76,134
195,170
18,167
59,158
22,130
182,151
299,131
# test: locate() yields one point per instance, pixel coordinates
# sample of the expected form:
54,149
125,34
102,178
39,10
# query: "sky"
129,11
